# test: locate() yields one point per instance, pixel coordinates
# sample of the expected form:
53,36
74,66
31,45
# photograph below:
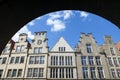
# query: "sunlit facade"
24,60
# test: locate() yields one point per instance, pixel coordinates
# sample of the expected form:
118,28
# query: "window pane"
98,60
18,49
40,49
35,72
4,60
100,72
22,48
91,61
17,60
5,49
37,59
14,73
41,70
1,71
29,73
85,72
62,60
83,60
118,72
112,51
35,50
42,59
22,59
110,61
19,73
115,61
113,73
92,71
31,60
0,60
89,48
9,73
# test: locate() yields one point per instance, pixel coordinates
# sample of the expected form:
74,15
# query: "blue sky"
70,24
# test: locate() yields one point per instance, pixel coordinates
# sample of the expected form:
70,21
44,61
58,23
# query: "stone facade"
23,60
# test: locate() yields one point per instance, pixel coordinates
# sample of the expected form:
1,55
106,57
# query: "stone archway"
14,14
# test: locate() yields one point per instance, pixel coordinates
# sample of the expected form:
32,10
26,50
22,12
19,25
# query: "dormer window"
62,49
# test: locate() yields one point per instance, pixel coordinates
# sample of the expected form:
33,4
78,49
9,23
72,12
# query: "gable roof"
62,43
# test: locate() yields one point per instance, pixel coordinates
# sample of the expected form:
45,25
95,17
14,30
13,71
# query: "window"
91,61
61,60
61,73
22,59
40,49
41,70
115,61
17,60
31,60
61,49
119,60
37,59
110,61
18,49
112,51
1,71
29,73
51,60
22,48
0,60
118,72
9,72
19,73
92,71
83,59
42,58
56,60
89,48
68,60
12,60
69,72
35,72
51,72
37,49
100,72
39,42
14,73
98,60
113,73
5,49
4,60
85,72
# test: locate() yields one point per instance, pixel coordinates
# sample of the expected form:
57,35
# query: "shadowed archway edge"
14,14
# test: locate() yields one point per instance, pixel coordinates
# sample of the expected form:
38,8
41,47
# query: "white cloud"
23,30
56,20
83,14
38,18
67,14
31,23
58,25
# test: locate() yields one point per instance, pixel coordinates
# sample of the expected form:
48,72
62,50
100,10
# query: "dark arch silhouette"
14,14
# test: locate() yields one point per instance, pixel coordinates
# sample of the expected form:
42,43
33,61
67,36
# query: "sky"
70,24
